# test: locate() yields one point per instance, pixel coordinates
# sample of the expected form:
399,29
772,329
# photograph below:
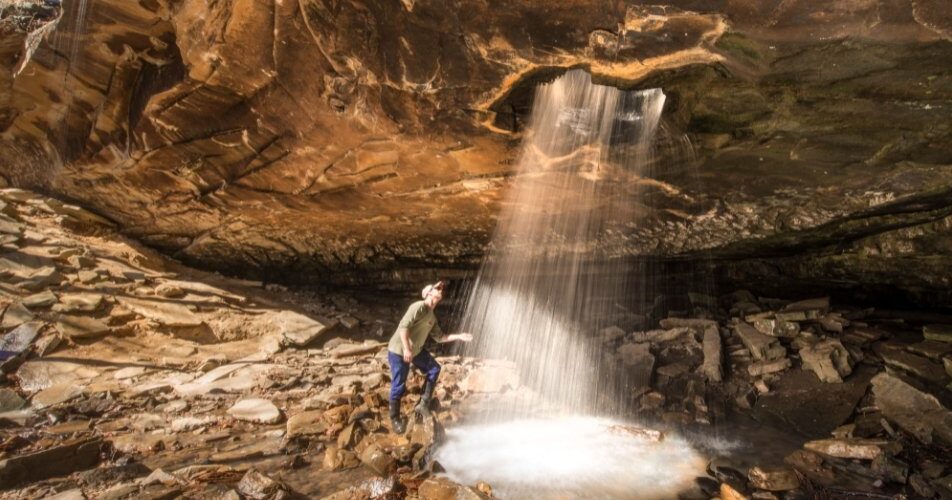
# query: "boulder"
828,359
257,486
306,423
919,413
256,410
441,488
378,460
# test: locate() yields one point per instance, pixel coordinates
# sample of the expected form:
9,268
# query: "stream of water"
548,285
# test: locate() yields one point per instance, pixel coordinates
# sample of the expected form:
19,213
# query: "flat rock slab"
51,462
256,410
42,299
10,400
56,394
15,315
78,302
163,312
14,343
919,413
861,449
81,327
36,375
803,404
939,333
299,330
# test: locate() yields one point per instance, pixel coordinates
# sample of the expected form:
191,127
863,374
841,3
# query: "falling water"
548,281
552,280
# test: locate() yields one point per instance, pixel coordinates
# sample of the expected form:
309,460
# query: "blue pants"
399,369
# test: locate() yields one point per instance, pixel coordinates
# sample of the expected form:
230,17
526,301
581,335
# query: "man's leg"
398,385
431,369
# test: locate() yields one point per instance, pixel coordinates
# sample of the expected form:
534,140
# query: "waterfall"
549,282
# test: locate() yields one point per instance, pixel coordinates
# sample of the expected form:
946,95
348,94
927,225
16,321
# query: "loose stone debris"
132,376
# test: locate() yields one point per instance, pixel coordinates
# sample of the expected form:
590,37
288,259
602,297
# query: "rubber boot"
423,407
396,422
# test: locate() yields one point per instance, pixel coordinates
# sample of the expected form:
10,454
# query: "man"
406,347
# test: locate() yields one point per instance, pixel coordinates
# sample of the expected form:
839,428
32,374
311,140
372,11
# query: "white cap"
429,288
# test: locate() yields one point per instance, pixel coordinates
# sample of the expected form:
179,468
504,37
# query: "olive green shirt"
421,322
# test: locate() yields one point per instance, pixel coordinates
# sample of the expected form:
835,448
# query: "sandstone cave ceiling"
305,139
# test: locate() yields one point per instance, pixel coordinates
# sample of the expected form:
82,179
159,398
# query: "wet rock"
81,327
931,349
862,449
55,461
828,360
938,333
814,306
369,489
40,300
15,315
378,460
637,358
766,367
78,302
773,479
299,330
257,486
761,347
610,334
491,378
440,488
919,413
256,410
306,423
56,394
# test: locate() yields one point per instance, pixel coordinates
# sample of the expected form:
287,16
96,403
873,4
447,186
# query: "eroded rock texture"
309,139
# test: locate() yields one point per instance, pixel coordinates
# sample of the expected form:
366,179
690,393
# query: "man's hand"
408,353
465,337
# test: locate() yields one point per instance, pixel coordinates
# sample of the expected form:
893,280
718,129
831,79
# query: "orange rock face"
308,139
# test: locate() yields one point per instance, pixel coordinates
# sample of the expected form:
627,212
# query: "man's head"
433,294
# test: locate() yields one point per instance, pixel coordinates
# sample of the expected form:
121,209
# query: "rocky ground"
131,376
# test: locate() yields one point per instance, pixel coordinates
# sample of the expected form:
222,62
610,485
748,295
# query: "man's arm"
407,344
465,337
